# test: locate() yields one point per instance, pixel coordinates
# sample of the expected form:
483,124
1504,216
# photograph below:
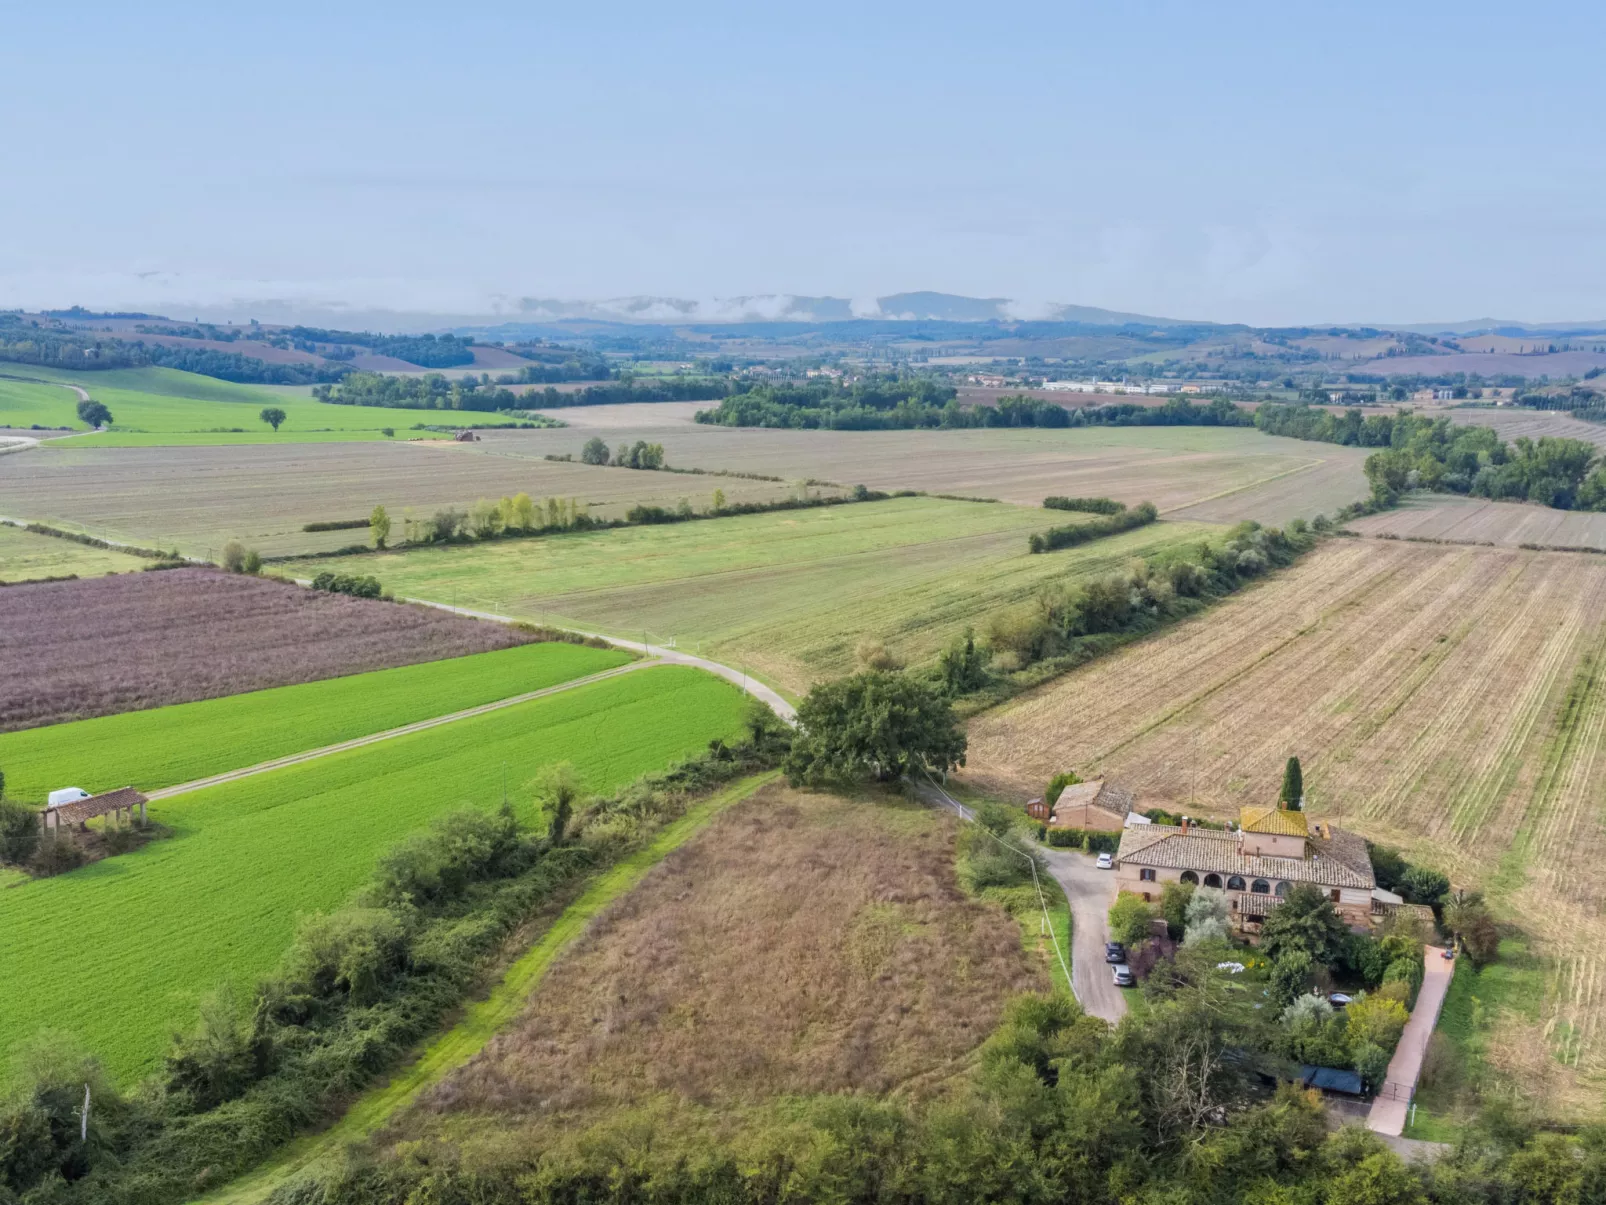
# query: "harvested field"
198,498
1479,521
1514,422
27,557
220,900
788,594
804,944
1235,473
1445,700
94,647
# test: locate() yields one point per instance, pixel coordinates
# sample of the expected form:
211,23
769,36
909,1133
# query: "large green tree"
1304,923
1293,792
876,725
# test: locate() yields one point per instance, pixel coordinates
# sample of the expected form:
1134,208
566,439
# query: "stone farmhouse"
1098,805
1270,851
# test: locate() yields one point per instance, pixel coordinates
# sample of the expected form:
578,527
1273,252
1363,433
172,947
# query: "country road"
294,759
1091,892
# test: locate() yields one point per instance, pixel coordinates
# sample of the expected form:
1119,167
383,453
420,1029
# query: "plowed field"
1446,700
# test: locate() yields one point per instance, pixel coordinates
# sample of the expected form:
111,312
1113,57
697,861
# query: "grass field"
158,928
1226,473
788,594
804,944
26,557
163,406
167,745
1479,521
197,498
1445,700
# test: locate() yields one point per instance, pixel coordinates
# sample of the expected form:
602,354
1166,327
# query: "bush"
1057,785
1096,506
345,583
19,833
1129,919
55,855
1081,533
1376,1020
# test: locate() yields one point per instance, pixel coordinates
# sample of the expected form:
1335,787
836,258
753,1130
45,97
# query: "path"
481,1021
279,763
1393,1103
1091,891
670,656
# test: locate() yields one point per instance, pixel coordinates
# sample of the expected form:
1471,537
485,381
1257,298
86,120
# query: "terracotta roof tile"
1338,861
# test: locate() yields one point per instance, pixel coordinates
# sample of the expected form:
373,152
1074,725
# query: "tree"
557,789
1419,885
718,503
595,451
873,724
1377,1020
1293,792
1208,918
523,512
379,526
1174,901
1467,917
1305,923
273,416
1290,976
19,833
963,665
94,413
1129,919
234,556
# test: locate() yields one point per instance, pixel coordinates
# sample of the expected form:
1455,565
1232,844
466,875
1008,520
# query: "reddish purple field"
98,646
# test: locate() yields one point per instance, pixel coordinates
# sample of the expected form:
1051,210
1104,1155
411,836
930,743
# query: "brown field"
1479,521
98,646
197,498
1512,422
1445,700
804,944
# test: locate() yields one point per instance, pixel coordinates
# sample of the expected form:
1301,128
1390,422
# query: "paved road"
670,656
279,763
1389,1110
1091,892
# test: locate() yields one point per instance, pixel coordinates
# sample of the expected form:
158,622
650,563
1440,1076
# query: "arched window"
1189,877
1282,890
1261,887
1235,884
1146,874
1212,880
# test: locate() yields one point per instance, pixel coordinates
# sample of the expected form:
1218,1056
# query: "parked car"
1114,951
1105,862
1123,975
1339,999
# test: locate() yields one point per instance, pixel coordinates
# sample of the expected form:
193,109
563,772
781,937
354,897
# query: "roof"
1331,1079
1339,860
97,805
1098,794
1274,820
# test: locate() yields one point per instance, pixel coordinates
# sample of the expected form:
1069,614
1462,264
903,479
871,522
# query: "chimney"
1184,826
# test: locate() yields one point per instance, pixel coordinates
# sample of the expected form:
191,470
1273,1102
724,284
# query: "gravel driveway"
1091,892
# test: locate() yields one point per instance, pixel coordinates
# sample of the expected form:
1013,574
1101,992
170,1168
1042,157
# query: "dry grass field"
1479,521
196,498
1445,700
804,944
27,557
1223,474
1512,422
99,646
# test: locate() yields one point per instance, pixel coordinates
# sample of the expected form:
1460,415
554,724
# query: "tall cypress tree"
1293,792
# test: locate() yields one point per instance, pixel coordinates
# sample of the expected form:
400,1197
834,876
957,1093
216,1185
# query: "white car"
1105,862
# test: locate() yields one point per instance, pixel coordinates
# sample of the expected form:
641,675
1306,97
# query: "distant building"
1093,805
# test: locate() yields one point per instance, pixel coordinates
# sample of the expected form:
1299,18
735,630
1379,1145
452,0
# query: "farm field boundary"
483,1019
213,740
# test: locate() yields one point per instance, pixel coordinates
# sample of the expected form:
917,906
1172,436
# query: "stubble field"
219,900
1479,521
1444,700
788,594
804,944
26,557
72,650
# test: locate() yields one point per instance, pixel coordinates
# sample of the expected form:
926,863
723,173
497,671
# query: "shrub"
19,833
345,583
1376,1020
234,556
1096,506
1129,919
57,854
1372,1062
1057,785
355,952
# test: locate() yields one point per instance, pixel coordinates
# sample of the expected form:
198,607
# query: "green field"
119,952
789,594
26,557
167,745
163,406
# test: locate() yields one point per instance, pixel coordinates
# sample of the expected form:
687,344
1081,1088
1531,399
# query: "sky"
1264,163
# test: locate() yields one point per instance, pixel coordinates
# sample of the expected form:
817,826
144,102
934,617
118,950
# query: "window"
1189,877
1146,875
1282,890
1235,884
1212,880
1261,887
1333,895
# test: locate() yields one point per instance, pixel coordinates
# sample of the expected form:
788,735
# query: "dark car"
1114,951
1123,975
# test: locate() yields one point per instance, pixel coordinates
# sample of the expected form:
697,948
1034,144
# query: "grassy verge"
482,1019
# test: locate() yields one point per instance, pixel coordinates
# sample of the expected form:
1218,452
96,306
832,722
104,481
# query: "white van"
67,795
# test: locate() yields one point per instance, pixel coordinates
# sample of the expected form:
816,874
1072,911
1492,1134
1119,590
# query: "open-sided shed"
111,803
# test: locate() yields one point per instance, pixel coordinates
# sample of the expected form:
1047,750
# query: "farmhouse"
1093,805
1270,851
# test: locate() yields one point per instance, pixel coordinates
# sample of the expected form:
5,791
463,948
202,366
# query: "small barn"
1097,805
117,804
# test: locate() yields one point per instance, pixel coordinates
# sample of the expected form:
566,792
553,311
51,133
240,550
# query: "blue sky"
1271,163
